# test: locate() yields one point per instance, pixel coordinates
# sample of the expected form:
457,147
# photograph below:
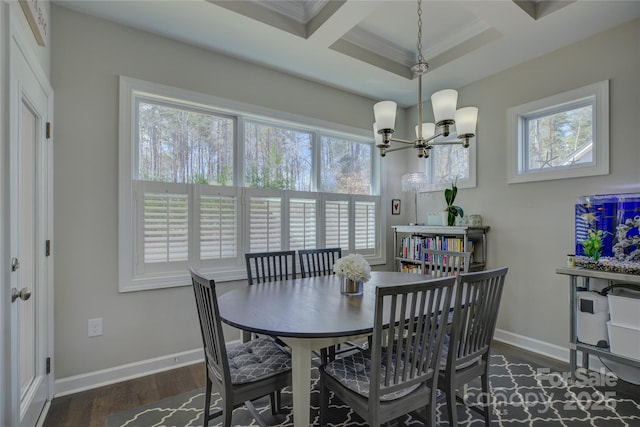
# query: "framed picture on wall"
395,207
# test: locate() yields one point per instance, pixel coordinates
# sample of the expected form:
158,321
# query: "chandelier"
444,112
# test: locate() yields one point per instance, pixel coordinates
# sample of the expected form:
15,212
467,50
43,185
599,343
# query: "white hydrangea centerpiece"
353,267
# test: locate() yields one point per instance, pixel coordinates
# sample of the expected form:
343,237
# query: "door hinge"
47,248
48,130
48,365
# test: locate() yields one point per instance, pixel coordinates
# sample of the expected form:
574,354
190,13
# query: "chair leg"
431,409
227,413
276,402
207,403
324,401
487,399
450,391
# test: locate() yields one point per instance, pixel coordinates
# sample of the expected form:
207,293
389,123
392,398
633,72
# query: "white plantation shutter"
365,225
302,224
186,202
166,227
265,224
218,227
337,224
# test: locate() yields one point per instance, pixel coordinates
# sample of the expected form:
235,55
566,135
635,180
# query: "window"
345,166
563,136
204,180
277,157
451,163
182,143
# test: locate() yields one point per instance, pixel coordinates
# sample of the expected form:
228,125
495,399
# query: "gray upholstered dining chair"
443,263
239,373
318,262
394,377
265,267
467,347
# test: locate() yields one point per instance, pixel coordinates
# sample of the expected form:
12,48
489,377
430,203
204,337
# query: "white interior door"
30,246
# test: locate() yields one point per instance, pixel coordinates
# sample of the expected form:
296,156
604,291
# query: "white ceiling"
367,46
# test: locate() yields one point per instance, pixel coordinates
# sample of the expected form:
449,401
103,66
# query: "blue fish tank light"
607,232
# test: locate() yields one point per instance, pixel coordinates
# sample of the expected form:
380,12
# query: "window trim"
130,88
516,142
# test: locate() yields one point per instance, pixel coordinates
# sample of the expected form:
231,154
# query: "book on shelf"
407,267
412,247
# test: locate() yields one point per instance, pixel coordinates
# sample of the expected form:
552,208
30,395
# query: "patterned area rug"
522,394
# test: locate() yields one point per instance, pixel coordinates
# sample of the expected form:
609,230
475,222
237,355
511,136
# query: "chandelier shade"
444,105
445,113
466,119
385,114
428,130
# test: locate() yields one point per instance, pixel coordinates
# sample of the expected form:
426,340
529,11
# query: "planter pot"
351,287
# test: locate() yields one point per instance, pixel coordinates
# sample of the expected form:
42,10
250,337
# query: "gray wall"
532,224
88,56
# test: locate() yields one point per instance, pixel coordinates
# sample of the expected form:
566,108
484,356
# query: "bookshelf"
409,239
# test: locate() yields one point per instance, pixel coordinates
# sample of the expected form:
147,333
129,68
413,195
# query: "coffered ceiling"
367,46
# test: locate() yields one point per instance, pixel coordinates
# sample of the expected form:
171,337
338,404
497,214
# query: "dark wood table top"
307,308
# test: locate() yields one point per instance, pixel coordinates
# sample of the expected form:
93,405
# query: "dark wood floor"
91,408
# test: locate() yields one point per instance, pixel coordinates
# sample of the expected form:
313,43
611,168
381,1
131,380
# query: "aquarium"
607,236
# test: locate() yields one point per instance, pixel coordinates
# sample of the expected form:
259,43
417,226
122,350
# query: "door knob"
24,294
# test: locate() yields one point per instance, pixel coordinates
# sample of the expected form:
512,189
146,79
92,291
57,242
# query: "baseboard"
533,345
544,348
76,383
129,371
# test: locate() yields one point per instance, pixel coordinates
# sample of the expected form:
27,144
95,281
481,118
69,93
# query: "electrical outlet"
95,327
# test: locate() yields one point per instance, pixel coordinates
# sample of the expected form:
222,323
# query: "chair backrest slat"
444,263
270,266
318,262
408,334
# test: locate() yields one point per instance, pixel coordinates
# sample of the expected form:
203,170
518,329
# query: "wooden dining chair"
443,263
265,267
240,373
270,266
318,262
467,347
393,377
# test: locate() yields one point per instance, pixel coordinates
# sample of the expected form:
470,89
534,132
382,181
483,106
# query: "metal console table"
577,274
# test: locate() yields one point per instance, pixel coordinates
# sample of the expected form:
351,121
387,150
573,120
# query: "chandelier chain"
419,44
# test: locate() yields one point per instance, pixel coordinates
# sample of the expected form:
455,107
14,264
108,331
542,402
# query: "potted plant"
355,270
452,210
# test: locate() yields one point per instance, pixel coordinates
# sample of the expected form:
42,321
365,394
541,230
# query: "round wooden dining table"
307,314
